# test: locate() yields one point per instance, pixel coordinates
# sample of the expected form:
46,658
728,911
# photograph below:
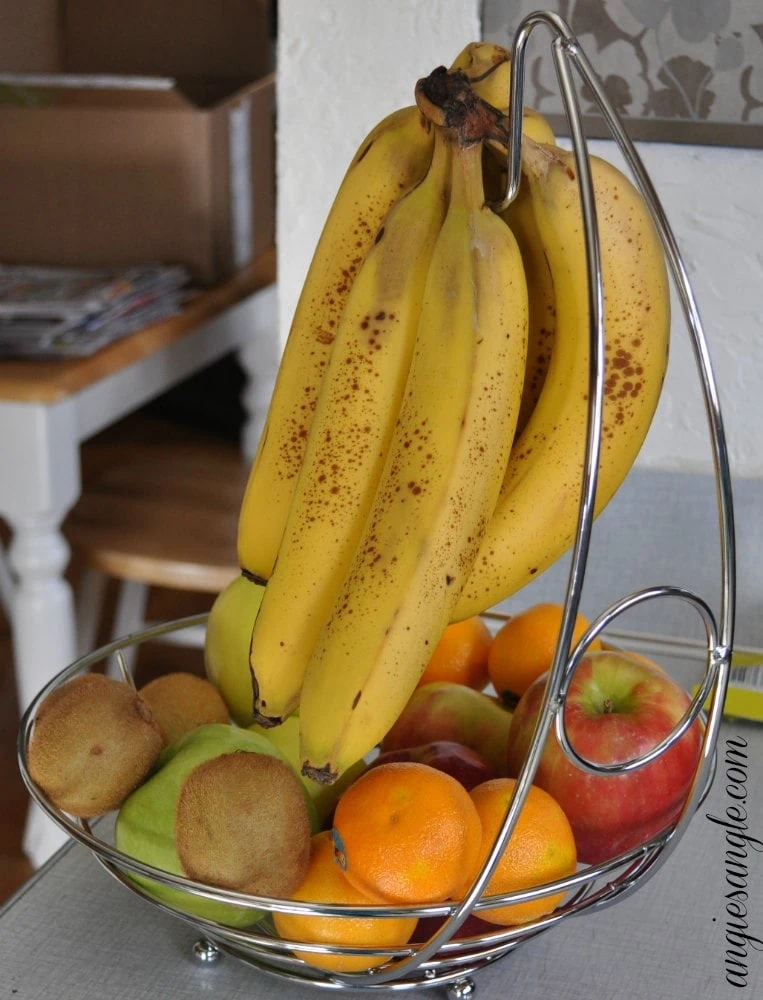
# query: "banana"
520,218
348,441
488,68
439,486
390,161
536,516
484,63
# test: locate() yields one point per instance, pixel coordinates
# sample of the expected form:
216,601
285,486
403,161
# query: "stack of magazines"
67,312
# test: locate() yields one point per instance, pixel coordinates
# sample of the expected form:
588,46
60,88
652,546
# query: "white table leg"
43,607
40,456
259,356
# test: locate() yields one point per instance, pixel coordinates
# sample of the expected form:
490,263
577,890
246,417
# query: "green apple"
145,827
226,649
226,654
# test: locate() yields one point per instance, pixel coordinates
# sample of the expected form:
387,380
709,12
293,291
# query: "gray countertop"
74,933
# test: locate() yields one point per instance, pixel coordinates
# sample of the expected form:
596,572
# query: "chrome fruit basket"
452,962
445,958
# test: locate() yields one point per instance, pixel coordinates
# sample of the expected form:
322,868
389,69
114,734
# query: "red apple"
460,762
618,707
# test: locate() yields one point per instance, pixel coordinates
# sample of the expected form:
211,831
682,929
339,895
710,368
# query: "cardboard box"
136,132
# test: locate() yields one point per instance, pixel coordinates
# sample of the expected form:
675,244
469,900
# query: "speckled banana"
348,441
488,67
439,486
534,521
520,218
390,161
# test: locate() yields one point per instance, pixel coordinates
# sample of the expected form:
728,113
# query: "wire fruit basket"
446,958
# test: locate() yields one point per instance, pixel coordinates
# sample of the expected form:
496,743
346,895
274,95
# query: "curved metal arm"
690,715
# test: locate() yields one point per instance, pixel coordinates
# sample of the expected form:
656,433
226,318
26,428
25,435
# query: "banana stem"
468,189
446,98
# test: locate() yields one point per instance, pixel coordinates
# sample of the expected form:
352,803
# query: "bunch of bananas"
423,453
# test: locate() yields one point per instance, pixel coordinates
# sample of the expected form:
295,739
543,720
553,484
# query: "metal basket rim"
81,831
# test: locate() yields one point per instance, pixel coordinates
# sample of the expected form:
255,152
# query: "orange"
541,849
325,883
405,832
524,648
461,655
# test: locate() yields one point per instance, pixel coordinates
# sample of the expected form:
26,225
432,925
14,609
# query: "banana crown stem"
467,186
446,98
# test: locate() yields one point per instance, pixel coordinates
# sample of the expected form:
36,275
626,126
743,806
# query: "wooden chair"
161,511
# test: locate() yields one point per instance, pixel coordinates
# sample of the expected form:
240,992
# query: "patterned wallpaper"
680,70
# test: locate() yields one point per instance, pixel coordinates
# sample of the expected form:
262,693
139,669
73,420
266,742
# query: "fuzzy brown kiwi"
94,741
241,823
182,702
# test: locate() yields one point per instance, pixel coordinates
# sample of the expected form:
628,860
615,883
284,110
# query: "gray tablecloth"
75,934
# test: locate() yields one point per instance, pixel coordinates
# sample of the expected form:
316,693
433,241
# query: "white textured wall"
712,197
344,64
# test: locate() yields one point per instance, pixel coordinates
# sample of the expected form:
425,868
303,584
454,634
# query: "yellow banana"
348,441
520,218
390,161
226,646
535,519
439,486
488,68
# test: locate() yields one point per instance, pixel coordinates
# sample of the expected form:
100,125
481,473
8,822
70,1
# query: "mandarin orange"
325,883
524,647
461,655
541,849
405,832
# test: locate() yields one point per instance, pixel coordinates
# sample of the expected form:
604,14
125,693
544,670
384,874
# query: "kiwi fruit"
145,824
241,823
182,702
94,741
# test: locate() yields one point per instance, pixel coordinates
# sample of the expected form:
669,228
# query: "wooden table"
48,408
